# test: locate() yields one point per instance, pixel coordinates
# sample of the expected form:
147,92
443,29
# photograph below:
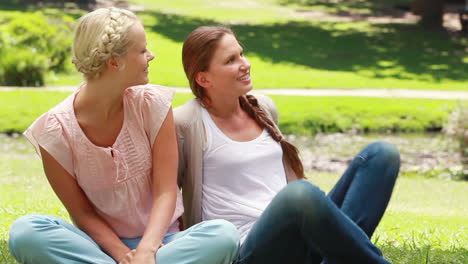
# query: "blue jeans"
303,225
45,239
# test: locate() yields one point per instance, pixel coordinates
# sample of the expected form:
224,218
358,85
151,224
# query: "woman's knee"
226,238
303,197
386,152
25,233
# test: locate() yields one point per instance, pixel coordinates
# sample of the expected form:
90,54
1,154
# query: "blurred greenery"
298,115
344,7
33,44
352,55
310,115
458,127
290,51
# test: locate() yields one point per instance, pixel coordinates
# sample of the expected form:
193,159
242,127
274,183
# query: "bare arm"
80,208
164,179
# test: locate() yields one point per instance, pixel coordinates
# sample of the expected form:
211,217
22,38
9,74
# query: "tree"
431,12
85,4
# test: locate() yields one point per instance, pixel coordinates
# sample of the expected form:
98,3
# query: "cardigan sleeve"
269,106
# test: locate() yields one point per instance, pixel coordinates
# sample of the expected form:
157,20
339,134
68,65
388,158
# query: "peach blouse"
116,179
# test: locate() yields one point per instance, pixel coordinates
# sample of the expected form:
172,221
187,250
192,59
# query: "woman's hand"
143,257
127,259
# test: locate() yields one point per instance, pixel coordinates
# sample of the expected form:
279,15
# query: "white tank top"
239,178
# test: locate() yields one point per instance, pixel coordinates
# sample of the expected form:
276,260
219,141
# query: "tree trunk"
432,12
85,4
416,6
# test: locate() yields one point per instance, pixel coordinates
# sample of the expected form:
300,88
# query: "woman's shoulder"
268,105
149,92
264,100
188,113
57,117
52,131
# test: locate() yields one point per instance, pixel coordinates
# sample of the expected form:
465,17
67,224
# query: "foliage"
23,67
33,44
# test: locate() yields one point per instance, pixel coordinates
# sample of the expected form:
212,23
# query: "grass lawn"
298,115
426,221
288,50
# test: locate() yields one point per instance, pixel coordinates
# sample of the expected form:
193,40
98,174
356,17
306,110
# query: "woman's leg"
49,239
215,241
300,222
364,190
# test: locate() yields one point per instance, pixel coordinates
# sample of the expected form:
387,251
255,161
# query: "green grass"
426,220
298,115
19,108
309,115
302,53
287,51
373,8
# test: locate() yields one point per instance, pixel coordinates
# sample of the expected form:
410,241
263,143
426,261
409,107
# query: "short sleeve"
156,105
47,132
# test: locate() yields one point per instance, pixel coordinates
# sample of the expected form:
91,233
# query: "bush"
31,45
24,68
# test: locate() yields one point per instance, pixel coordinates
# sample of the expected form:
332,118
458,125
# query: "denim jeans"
303,225
45,239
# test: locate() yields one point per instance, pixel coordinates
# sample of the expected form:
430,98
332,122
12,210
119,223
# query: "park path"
384,93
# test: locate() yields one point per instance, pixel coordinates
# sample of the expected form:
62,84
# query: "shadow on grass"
389,50
348,8
50,9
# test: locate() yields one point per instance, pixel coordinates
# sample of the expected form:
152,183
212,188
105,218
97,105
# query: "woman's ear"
113,63
202,79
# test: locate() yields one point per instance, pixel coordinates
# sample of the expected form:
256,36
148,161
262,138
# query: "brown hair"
197,52
250,104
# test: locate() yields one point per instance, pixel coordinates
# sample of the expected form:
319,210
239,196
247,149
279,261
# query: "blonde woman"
109,152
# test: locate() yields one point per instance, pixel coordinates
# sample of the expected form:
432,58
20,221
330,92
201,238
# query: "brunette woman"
236,165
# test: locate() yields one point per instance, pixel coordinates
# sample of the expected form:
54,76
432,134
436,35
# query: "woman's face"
229,71
136,60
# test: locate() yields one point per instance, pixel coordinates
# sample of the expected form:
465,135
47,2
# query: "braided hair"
250,104
98,36
197,52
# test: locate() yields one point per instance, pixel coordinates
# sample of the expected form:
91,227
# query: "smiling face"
228,73
134,64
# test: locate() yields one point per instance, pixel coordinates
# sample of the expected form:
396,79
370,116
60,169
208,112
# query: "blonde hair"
98,36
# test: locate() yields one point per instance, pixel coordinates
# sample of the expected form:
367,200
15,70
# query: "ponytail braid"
250,104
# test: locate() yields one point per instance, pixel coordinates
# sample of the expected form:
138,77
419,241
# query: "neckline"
221,133
83,134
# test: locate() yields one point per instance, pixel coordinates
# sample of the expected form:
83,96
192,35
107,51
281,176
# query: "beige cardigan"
192,144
